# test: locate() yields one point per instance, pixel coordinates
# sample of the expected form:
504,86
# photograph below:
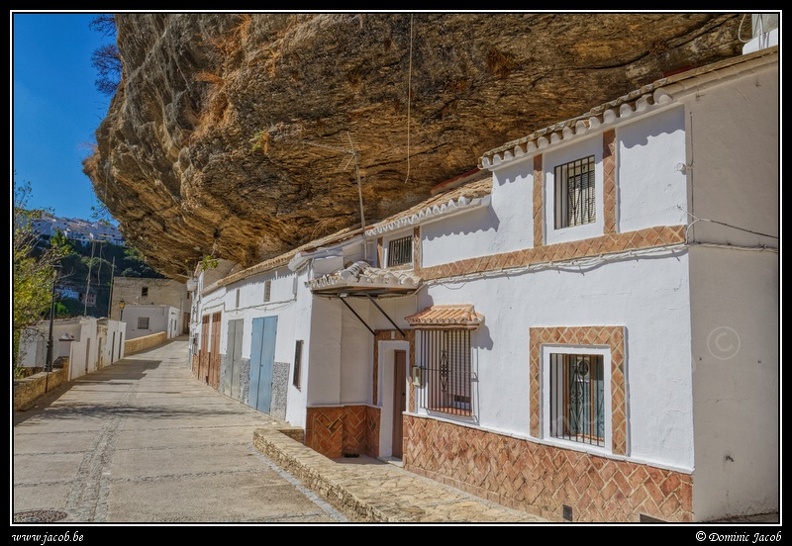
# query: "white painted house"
584,328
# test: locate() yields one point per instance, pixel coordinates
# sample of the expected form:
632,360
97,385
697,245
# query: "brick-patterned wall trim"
540,479
538,201
372,431
610,336
604,244
335,431
609,180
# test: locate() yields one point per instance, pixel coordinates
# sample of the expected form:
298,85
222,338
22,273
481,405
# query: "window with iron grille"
400,251
577,398
575,200
143,323
447,371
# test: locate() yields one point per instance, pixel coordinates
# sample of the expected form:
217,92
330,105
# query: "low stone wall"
29,389
132,346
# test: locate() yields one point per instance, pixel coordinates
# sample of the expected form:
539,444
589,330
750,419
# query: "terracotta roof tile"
446,316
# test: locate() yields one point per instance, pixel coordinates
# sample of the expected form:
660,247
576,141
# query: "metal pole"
48,364
110,303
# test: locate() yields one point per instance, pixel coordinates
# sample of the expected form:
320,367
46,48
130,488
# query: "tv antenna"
353,156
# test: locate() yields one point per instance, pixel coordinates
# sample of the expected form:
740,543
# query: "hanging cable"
409,99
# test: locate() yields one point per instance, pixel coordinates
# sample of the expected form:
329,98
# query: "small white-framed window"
575,195
576,401
143,323
399,251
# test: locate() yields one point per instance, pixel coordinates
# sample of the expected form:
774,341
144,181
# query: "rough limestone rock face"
242,136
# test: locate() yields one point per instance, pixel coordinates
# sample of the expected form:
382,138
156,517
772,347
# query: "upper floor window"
575,199
144,291
400,251
267,290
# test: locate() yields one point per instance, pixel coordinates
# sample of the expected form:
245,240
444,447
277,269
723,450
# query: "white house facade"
585,328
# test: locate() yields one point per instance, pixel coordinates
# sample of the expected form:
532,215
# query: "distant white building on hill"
76,229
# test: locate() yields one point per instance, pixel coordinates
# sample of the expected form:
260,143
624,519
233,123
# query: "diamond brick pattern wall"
372,431
609,180
594,246
336,430
538,201
611,336
540,479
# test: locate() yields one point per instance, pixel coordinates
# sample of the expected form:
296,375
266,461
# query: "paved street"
142,441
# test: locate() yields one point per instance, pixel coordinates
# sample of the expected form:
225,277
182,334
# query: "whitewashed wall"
357,351
297,398
159,319
649,297
505,224
323,371
735,382
652,187
736,301
84,352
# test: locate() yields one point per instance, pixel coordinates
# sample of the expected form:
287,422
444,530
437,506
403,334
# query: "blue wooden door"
262,358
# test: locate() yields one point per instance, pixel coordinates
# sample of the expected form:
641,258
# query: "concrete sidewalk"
370,490
143,441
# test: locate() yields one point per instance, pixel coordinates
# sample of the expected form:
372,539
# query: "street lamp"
121,305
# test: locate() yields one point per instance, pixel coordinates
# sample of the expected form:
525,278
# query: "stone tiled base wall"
335,431
132,346
280,389
541,479
195,365
29,389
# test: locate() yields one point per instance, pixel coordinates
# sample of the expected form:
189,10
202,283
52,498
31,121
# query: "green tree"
34,270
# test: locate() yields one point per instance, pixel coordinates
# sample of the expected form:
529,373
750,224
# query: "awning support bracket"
358,316
372,300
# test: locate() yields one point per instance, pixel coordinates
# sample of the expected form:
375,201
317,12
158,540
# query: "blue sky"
56,108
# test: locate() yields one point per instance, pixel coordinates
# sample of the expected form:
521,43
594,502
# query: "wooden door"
399,401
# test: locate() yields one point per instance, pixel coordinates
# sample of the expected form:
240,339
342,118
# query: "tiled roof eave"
430,213
641,101
446,317
598,118
362,276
